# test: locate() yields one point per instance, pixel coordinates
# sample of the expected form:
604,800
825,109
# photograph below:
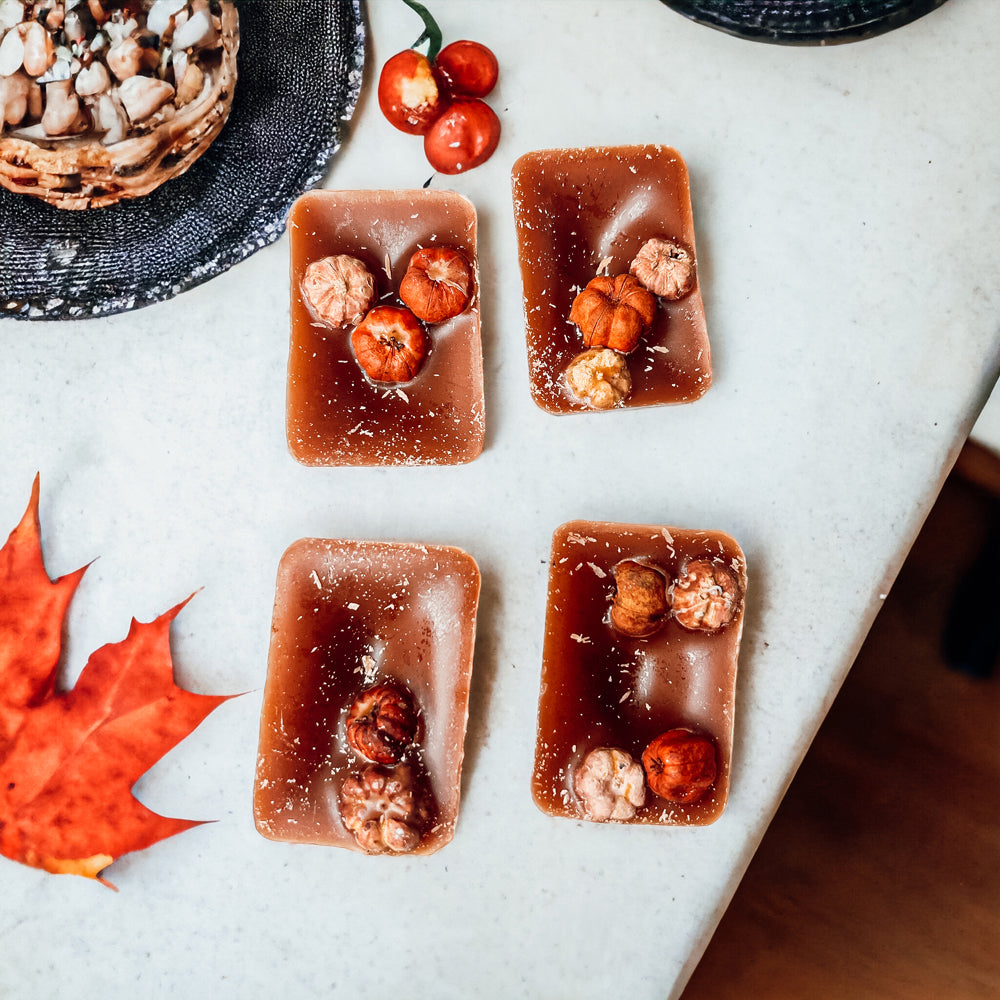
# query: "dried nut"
437,284
124,58
609,784
14,91
62,108
39,52
11,53
110,118
680,765
640,603
93,80
665,268
28,45
340,289
160,15
381,723
613,312
705,596
384,809
11,14
197,31
390,344
141,96
190,87
599,377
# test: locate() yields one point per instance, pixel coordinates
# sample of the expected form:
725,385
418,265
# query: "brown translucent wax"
580,210
600,688
349,615
335,414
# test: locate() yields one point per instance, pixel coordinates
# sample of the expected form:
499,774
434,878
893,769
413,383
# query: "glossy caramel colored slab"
576,209
347,615
335,415
600,688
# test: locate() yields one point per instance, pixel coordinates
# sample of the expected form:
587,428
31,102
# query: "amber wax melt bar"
362,731
385,364
613,308
642,637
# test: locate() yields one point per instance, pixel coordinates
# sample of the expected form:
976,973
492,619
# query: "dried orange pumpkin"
614,312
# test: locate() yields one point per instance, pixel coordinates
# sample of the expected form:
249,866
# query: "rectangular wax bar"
352,617
601,688
335,414
581,211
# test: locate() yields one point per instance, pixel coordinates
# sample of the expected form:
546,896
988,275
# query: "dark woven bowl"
804,22
300,69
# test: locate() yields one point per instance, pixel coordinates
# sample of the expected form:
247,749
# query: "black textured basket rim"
804,22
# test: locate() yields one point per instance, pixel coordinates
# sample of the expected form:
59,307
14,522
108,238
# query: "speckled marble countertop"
846,203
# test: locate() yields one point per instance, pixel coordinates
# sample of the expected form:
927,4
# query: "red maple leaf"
69,759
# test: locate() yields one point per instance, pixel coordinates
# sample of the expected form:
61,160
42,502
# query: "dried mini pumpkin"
614,312
381,723
390,344
680,765
437,284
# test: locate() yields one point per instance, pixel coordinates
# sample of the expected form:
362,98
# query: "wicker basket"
81,171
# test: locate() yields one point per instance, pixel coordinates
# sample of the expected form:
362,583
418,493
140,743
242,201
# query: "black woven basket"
804,22
300,69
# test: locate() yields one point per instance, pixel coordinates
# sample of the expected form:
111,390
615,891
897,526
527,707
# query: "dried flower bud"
599,377
705,596
610,785
339,289
665,268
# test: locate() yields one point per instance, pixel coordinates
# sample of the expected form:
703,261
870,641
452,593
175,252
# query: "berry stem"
431,33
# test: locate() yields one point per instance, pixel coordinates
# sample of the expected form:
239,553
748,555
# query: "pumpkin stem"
431,33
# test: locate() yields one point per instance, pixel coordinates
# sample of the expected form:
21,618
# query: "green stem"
431,33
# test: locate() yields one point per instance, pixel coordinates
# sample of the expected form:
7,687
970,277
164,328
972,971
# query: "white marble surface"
846,200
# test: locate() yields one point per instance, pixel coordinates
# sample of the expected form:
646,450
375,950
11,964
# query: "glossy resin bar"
336,414
584,212
362,732
642,637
